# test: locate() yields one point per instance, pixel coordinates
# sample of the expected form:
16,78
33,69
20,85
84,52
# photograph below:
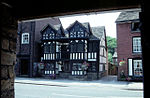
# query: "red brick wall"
124,45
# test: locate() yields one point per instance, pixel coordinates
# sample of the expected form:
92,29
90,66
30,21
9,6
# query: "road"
76,89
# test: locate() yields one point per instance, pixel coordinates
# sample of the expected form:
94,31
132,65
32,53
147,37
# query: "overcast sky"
105,19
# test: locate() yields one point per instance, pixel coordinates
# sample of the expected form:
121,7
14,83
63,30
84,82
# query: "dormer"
78,30
52,32
48,32
60,31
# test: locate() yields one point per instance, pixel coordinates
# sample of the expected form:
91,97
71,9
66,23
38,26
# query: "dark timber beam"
29,9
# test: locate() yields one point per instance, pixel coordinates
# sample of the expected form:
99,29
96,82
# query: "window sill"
136,31
137,53
24,43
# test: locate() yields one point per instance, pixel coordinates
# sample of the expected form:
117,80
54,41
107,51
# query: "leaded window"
25,38
92,67
77,69
80,46
77,46
137,67
93,46
77,32
52,47
48,34
73,46
46,48
52,35
49,69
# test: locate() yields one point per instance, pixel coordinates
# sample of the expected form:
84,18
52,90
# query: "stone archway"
8,52
9,37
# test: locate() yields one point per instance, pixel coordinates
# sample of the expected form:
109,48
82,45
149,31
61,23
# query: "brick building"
129,46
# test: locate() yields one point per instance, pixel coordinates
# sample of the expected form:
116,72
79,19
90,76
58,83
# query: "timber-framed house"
78,52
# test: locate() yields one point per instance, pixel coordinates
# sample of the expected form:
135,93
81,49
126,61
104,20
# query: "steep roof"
98,31
84,25
128,16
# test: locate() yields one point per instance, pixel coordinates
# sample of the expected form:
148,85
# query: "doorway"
24,67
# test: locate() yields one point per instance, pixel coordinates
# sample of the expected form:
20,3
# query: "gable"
48,29
77,26
77,30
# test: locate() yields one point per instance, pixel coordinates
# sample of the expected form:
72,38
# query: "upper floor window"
48,34
25,38
92,67
52,47
81,34
78,32
93,47
77,46
46,48
135,26
137,45
49,47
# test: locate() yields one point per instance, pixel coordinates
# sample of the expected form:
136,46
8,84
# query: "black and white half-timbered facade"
78,52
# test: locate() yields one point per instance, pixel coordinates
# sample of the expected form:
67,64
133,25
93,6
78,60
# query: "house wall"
31,51
25,51
124,45
39,25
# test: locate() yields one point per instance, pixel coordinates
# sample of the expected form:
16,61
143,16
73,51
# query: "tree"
109,57
111,45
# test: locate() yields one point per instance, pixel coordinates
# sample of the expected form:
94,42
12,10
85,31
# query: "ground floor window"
92,67
77,69
135,67
49,68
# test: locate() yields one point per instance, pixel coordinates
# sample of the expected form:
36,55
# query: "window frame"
92,46
133,46
133,25
78,71
22,38
135,69
93,66
131,68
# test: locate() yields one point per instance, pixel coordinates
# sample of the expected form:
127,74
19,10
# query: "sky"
104,19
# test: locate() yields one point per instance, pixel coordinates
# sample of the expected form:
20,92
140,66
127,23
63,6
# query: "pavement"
105,81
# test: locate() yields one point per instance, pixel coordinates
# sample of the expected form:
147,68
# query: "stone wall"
8,51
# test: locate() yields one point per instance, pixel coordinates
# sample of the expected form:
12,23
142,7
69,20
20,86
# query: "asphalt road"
77,89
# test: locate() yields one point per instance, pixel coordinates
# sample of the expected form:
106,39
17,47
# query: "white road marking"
71,95
78,96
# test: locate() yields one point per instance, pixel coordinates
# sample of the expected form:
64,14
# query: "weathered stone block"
5,84
5,44
11,71
7,58
13,33
9,33
4,72
12,46
7,93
